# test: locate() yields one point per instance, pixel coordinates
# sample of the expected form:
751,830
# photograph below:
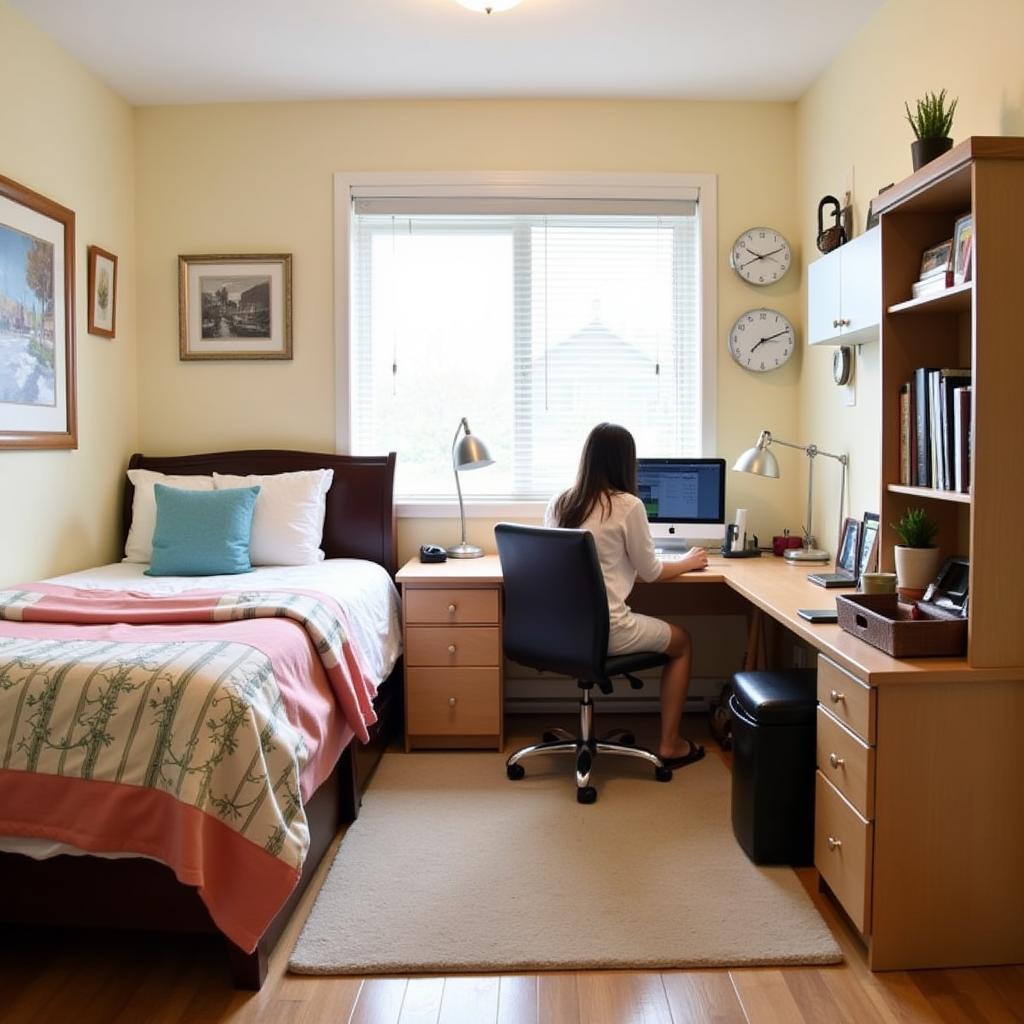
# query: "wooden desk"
919,836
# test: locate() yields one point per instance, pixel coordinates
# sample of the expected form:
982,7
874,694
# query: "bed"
65,886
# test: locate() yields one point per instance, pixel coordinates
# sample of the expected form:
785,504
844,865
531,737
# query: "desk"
920,828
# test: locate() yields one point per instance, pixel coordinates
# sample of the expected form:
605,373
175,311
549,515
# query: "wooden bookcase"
976,325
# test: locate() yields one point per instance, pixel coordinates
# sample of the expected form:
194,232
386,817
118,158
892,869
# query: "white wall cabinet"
844,293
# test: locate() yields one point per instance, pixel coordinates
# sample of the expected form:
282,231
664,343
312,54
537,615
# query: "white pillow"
288,524
139,545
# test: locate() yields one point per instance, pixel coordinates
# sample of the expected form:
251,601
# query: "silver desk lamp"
761,461
469,453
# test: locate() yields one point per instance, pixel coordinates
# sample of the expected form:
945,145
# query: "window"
535,318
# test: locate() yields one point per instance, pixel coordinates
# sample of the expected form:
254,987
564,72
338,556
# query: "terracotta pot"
915,569
924,151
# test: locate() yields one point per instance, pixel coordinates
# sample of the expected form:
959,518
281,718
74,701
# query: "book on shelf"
921,469
948,382
905,434
934,285
961,400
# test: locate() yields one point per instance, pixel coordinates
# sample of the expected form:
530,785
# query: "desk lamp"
470,453
761,461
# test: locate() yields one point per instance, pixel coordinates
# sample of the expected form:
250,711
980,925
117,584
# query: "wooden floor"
131,979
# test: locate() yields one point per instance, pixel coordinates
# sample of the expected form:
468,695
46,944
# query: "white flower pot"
915,569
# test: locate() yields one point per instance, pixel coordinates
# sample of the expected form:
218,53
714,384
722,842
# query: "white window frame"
506,184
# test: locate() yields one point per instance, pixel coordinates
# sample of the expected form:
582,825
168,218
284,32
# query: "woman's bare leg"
675,682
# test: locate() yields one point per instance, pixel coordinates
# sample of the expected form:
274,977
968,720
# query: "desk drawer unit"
842,851
453,666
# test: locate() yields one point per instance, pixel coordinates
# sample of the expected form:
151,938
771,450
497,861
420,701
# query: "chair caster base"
586,795
663,774
517,771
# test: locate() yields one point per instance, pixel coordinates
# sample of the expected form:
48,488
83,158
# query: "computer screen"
684,498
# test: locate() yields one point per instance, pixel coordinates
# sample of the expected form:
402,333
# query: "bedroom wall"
853,117
258,178
67,136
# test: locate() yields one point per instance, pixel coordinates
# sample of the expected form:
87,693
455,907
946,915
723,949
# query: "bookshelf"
972,325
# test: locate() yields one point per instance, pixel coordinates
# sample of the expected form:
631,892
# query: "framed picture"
37,320
937,259
868,554
963,239
872,216
849,546
102,292
235,307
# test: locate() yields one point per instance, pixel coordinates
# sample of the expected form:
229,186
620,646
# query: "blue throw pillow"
202,533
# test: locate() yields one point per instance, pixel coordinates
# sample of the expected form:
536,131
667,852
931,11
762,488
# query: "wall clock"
761,256
761,340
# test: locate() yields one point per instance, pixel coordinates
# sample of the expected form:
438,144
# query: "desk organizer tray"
882,621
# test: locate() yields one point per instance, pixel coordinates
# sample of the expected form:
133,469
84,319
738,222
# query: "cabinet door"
861,287
823,300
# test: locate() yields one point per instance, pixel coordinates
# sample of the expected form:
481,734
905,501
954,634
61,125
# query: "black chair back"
556,606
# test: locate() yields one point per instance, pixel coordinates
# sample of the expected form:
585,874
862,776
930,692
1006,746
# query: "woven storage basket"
882,621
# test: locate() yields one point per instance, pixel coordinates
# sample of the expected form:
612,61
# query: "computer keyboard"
671,556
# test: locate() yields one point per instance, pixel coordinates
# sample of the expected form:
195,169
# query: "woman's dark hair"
607,465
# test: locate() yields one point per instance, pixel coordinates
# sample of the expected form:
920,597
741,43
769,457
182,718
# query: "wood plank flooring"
129,979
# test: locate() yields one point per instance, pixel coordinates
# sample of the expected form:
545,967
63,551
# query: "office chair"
556,620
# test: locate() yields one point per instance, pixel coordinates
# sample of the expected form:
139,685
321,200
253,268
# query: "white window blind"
535,320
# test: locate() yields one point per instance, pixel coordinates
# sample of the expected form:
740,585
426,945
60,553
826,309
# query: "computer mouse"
433,553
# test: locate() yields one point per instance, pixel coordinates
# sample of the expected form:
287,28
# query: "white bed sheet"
364,590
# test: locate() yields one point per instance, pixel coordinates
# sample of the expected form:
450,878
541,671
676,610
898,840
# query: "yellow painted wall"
70,138
853,117
258,178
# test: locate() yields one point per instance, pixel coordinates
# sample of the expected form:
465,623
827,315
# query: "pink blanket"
186,728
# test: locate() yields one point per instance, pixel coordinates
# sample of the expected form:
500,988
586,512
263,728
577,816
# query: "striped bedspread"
186,728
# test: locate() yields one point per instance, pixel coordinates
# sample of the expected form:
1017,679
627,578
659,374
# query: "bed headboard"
360,521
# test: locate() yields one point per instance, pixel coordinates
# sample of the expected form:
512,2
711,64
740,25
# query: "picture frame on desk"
867,554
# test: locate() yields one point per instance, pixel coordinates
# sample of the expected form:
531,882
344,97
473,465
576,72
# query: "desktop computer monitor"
684,498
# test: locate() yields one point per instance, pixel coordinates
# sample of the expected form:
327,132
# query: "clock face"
760,256
761,340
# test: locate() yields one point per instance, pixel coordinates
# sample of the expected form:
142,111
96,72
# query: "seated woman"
604,501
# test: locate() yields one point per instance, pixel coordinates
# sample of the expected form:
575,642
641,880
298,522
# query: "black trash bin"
773,765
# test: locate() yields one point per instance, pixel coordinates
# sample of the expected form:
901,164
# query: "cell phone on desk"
818,614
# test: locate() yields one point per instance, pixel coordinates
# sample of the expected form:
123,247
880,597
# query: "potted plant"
917,559
931,122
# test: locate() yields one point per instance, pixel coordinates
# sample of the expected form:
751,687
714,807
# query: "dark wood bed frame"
74,891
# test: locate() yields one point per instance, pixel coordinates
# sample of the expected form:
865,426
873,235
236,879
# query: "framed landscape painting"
235,307
37,320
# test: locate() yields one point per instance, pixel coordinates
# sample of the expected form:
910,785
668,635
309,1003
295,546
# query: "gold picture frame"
37,320
235,306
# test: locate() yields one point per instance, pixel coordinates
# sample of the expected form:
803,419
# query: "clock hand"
759,256
771,337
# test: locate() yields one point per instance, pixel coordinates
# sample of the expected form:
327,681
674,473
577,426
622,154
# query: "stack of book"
935,429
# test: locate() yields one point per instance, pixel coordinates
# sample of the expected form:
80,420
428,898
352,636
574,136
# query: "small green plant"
915,529
932,120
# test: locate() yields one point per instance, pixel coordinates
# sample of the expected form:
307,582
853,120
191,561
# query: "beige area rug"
452,868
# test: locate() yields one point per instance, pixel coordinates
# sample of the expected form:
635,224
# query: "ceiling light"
488,6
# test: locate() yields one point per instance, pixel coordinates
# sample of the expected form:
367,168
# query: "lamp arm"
811,450
455,470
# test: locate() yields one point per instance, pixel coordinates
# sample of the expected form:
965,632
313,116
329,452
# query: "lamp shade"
758,460
472,453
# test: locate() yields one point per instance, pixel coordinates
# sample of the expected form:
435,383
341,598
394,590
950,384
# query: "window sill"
447,508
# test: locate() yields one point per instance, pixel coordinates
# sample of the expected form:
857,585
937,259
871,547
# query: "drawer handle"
451,648
844,323
836,762
451,609
836,323
835,696
834,844
451,702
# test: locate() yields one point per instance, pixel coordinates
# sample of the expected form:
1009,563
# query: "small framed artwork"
102,292
937,259
235,307
849,547
963,244
868,555
37,320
